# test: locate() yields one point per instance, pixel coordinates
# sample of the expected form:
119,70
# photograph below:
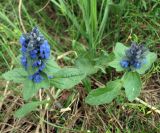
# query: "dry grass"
119,115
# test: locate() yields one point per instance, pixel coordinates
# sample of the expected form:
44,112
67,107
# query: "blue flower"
45,50
124,63
35,50
22,41
137,65
37,63
36,77
33,53
23,49
24,61
41,67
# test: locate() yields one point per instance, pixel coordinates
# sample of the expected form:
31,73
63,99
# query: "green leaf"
116,64
86,65
132,84
31,88
119,50
150,59
27,108
66,78
17,75
51,66
104,95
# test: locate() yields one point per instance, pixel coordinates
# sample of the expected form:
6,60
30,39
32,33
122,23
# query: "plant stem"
50,95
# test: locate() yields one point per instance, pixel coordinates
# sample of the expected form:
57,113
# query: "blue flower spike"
135,56
35,50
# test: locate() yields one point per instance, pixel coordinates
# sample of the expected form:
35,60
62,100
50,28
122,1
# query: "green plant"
39,70
133,61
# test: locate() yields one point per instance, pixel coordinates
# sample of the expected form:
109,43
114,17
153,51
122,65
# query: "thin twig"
43,7
41,112
20,18
129,37
66,53
40,98
40,124
149,106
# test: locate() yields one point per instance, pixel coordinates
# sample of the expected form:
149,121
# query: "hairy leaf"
66,78
17,75
27,108
119,50
116,64
51,66
132,84
150,59
86,65
31,88
105,94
